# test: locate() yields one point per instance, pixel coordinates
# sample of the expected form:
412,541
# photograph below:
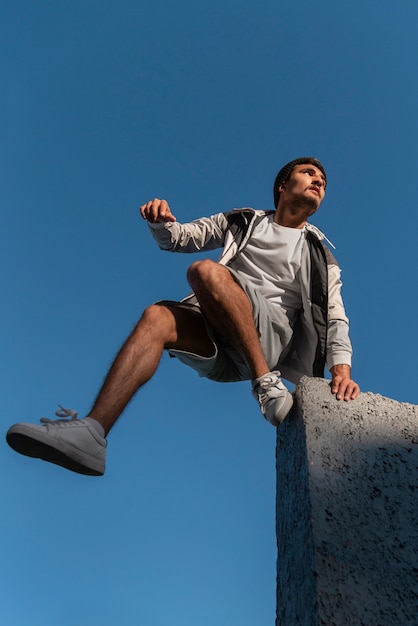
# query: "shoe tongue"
268,380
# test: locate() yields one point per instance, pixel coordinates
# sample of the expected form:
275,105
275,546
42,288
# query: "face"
306,184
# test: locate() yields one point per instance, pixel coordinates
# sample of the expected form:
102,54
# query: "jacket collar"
318,233
310,227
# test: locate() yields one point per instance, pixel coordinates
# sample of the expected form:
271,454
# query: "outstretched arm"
156,211
205,233
342,384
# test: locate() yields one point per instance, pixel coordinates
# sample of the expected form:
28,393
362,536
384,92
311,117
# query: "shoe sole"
37,449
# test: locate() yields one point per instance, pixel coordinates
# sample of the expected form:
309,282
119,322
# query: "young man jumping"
270,307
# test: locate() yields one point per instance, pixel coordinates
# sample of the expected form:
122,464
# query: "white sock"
96,425
273,373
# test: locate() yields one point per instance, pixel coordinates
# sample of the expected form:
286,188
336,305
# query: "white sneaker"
72,443
274,398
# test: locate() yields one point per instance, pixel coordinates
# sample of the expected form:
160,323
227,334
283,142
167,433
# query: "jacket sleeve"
339,350
206,233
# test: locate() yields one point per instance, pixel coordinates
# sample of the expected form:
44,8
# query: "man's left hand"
342,384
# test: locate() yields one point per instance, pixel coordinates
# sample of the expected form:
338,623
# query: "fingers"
156,211
344,388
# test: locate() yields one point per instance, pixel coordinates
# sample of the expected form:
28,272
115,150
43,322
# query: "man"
271,305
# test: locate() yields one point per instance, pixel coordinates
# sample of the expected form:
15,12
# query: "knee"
204,272
156,317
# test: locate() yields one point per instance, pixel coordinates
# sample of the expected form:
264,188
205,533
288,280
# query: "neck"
292,215
289,220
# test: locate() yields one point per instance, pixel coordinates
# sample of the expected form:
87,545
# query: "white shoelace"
62,413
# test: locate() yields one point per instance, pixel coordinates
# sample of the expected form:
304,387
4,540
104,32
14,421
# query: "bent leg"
228,310
162,326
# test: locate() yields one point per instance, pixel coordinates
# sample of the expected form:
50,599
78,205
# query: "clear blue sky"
103,106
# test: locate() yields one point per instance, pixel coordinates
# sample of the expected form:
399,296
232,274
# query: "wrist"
342,369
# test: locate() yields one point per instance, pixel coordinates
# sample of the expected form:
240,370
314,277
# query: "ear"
282,187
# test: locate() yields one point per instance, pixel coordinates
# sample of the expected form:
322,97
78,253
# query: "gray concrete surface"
347,511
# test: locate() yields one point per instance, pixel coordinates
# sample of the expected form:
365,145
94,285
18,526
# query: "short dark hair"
286,171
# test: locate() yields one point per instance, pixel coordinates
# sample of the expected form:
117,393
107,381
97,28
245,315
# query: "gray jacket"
321,331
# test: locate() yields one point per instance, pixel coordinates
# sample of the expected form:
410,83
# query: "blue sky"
103,106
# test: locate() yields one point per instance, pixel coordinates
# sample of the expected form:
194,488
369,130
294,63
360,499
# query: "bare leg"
228,310
76,446
161,326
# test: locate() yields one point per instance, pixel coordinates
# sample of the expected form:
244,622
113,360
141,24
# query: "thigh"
214,360
191,331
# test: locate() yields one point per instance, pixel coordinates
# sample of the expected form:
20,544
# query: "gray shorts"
226,364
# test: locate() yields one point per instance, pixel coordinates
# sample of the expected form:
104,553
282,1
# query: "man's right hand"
156,211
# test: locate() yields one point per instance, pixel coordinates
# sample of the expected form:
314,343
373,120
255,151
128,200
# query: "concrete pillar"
347,511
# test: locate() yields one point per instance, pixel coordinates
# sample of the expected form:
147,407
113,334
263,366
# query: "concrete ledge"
347,511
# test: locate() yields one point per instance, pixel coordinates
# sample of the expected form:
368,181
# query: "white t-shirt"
271,262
